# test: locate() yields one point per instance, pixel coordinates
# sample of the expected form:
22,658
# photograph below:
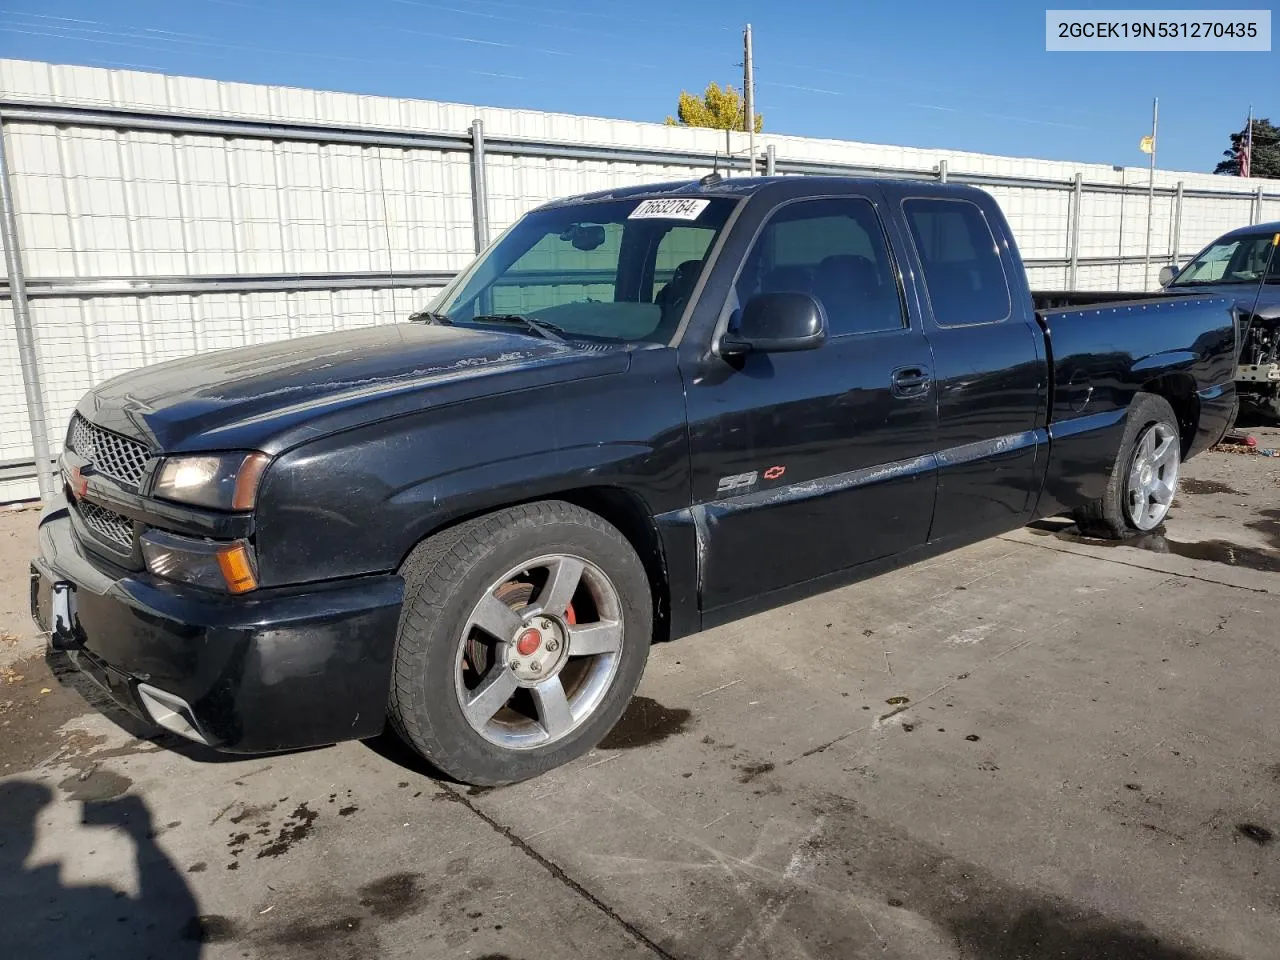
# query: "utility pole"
1151,192
749,100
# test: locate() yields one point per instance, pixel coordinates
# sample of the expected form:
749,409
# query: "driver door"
813,462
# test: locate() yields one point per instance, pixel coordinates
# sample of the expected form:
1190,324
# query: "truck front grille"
107,524
110,454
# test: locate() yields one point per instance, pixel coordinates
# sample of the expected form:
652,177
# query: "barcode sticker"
675,208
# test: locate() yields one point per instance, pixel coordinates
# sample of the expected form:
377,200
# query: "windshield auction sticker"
675,208
1138,30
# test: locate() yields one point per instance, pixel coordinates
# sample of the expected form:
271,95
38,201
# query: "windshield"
613,271
1232,260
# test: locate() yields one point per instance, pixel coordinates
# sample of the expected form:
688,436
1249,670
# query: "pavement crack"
1139,566
556,871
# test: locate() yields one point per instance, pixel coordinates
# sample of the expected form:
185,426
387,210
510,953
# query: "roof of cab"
734,187
1253,229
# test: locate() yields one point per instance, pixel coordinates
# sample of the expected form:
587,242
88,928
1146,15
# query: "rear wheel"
1144,480
523,637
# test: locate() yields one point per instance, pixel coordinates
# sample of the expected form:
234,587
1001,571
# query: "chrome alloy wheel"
1153,476
539,651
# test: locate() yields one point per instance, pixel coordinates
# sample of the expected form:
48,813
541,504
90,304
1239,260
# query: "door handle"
909,382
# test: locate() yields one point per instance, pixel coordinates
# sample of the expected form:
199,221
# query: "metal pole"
771,161
479,194
1176,238
942,171
1246,148
749,100
1151,193
1120,246
1077,194
26,339
1256,213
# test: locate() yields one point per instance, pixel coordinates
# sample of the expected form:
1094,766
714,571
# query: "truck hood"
272,396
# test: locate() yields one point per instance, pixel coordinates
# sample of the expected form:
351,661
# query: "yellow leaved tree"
720,109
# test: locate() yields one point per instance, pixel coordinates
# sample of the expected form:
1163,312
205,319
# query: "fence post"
942,171
1077,194
479,191
22,324
1124,191
770,161
1256,213
1176,237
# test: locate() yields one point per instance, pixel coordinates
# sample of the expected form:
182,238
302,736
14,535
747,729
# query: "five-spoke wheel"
522,638
1144,478
1153,476
539,651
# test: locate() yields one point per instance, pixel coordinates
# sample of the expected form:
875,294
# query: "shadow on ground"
46,916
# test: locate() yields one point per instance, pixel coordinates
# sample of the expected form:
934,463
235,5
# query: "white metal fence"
157,216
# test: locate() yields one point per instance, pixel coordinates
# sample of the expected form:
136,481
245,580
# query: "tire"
472,628
1132,505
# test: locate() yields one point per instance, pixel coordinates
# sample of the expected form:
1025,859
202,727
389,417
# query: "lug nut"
553,645
536,667
514,664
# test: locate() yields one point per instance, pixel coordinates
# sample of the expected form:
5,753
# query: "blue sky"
927,73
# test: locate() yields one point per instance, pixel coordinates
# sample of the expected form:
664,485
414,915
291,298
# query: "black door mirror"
1167,274
777,323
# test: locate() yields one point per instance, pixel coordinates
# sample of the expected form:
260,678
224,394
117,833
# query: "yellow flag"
1147,144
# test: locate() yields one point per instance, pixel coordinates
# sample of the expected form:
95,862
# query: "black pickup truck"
640,413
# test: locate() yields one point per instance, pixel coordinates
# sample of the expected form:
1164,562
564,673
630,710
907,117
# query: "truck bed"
1060,299
1099,353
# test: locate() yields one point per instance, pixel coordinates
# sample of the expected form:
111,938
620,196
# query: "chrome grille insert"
110,454
107,524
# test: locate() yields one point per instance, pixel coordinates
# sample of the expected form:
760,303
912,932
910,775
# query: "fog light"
225,566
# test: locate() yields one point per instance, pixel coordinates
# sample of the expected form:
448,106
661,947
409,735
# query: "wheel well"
1179,389
628,513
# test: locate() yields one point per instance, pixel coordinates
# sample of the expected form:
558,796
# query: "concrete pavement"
1034,747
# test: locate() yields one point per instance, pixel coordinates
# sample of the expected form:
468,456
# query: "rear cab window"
963,272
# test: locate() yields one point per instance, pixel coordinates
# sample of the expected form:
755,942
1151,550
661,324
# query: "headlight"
226,566
224,481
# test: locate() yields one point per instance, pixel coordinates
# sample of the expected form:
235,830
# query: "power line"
132,33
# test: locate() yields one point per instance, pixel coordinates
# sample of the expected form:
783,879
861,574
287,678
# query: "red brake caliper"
569,615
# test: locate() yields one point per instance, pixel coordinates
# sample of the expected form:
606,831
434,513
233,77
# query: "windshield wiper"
430,316
548,331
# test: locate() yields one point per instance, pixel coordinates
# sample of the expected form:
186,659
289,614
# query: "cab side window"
962,269
835,251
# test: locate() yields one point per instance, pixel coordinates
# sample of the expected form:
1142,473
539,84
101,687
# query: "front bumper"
272,670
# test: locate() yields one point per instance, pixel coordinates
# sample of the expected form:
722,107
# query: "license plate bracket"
54,608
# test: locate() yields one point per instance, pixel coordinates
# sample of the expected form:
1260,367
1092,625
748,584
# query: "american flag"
1246,149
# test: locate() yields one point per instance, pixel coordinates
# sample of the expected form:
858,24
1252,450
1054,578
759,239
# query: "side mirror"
1167,274
777,323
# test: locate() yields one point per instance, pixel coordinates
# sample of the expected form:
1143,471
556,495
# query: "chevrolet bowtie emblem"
78,483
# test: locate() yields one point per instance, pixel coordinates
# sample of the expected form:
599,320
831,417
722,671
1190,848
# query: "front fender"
356,503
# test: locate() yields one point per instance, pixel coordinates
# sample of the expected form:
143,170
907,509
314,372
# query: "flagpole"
1244,168
1151,192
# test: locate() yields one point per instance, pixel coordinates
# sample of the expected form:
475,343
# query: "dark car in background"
1234,266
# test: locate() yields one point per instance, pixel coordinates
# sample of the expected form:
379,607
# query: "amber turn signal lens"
236,569
247,481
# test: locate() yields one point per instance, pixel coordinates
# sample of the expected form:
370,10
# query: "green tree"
1265,161
716,108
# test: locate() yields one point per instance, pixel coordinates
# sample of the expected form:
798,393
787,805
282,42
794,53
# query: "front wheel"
1144,478
522,639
